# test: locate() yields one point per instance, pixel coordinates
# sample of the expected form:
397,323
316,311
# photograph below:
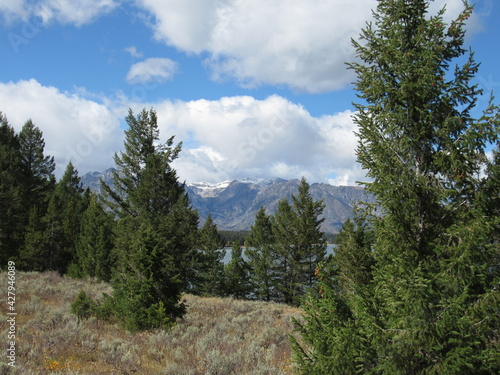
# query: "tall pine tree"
210,268
300,244
262,257
12,175
309,243
156,231
40,168
288,285
50,241
94,247
432,302
237,280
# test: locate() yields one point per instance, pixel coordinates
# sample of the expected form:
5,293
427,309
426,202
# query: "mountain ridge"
233,204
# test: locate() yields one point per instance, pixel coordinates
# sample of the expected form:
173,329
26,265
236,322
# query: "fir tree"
262,257
309,243
12,175
284,232
95,243
237,274
353,253
339,341
432,302
144,181
50,240
40,168
34,254
68,200
146,294
299,243
156,232
210,269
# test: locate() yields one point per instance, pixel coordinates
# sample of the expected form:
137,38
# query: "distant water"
227,257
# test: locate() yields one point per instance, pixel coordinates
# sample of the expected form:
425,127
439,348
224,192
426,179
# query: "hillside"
234,204
217,336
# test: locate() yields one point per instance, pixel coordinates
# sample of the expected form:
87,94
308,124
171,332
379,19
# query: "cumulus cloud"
154,69
233,137
301,44
76,12
76,129
236,137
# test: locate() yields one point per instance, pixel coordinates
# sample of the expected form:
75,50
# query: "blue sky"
252,88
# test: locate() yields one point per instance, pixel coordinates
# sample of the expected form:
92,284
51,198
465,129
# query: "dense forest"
413,286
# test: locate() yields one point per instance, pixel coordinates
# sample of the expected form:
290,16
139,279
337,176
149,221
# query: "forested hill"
234,204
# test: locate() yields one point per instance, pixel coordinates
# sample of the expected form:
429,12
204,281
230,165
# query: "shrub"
83,306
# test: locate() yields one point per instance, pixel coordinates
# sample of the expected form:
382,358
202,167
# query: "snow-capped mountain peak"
207,190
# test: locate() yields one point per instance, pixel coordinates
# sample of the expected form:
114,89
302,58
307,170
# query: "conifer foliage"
237,277
94,246
12,171
300,245
424,298
156,228
262,257
284,249
209,278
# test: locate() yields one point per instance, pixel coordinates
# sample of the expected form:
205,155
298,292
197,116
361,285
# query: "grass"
217,336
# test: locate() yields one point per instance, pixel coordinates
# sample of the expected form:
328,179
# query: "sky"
252,88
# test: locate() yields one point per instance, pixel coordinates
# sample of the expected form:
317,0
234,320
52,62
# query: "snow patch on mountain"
208,190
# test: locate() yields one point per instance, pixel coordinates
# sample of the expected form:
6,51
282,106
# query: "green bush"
83,306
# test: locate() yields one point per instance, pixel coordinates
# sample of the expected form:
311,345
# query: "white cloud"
153,69
237,137
233,137
12,9
133,51
76,129
302,44
76,12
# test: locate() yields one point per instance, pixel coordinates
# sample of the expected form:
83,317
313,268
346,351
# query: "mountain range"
234,204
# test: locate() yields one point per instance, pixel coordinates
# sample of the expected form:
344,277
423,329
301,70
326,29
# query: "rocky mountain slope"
234,204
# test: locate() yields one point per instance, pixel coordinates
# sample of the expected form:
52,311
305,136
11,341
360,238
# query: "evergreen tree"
299,242
12,174
344,284
237,274
262,257
157,227
35,254
38,184
309,243
40,168
50,240
95,243
68,200
210,268
284,232
146,294
353,253
144,181
432,302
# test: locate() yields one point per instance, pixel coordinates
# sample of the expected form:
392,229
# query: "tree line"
142,234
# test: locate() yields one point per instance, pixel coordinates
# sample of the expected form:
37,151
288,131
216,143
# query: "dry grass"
217,336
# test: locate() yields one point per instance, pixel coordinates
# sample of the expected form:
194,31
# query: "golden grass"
217,336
